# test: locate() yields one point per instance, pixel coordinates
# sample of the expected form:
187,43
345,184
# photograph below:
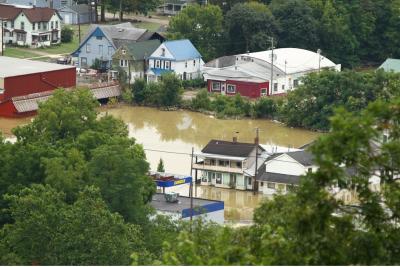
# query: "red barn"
25,82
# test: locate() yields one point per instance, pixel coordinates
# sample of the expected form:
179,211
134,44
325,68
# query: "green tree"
246,25
171,90
51,233
201,101
67,34
160,166
202,25
138,90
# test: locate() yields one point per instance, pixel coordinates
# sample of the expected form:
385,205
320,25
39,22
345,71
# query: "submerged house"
101,42
229,164
132,58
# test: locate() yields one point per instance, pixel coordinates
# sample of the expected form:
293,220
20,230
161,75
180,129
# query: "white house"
179,56
253,73
30,26
228,164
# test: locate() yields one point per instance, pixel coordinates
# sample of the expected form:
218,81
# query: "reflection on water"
170,135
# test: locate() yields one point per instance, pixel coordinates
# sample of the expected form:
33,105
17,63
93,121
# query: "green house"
132,57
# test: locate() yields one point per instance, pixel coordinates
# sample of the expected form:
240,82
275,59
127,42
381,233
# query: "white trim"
212,86
234,88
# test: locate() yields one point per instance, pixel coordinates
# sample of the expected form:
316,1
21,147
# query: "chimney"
235,139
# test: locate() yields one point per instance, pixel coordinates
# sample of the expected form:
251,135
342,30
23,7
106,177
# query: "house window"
22,25
101,49
44,26
261,184
230,88
12,24
87,48
99,37
163,52
295,83
5,24
212,162
218,179
167,66
309,170
83,62
157,64
263,91
56,24
123,63
38,25
33,26
1,90
281,187
275,87
185,64
249,181
211,176
271,185
283,87
123,51
52,25
110,50
216,86
194,63
21,37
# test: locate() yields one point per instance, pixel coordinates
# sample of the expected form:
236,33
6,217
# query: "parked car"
64,60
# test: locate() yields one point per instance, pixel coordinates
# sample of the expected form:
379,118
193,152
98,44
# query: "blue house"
179,56
102,41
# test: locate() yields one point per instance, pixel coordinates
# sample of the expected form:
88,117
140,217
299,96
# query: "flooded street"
170,135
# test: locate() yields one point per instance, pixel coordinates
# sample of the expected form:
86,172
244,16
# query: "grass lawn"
19,52
151,26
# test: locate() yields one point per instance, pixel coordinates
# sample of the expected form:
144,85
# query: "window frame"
213,88
261,92
157,64
271,185
88,48
234,88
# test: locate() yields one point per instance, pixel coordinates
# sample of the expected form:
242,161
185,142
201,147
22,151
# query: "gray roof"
303,157
228,148
17,67
124,31
279,178
159,203
80,9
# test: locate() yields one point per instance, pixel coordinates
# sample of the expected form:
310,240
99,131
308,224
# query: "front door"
223,89
232,180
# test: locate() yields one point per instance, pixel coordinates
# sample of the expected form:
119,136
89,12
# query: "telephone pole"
271,39
256,141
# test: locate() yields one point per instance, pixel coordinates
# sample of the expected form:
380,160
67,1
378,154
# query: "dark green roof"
391,64
140,50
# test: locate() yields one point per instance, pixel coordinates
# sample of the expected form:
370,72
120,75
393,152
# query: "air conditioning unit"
171,197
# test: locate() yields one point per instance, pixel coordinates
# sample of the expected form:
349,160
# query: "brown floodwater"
170,135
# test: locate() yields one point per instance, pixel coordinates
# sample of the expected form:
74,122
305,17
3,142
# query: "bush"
201,101
265,108
138,90
171,93
67,34
195,83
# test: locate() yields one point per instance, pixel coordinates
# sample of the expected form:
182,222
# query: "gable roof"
305,158
228,148
279,178
8,12
38,14
391,64
182,49
140,50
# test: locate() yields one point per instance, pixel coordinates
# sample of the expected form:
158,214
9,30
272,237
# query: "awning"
27,105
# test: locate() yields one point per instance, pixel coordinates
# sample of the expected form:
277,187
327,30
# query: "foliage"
265,108
195,83
311,105
201,101
138,90
52,233
171,93
160,166
67,34
202,25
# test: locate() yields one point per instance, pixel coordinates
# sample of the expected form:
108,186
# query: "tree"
202,25
171,93
160,167
51,233
138,90
247,27
67,34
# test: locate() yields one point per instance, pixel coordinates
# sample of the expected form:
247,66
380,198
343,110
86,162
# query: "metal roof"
303,157
159,203
228,148
182,49
391,64
279,178
10,66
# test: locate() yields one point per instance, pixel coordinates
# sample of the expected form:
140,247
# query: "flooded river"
170,135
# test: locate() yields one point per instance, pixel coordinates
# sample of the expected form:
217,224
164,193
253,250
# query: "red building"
234,81
24,80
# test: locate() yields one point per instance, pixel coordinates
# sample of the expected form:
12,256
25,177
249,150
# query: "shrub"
201,101
138,90
67,34
265,108
195,83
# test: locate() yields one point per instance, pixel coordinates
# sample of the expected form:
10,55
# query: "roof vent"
171,197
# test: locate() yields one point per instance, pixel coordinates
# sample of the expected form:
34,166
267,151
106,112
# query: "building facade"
253,74
179,57
132,58
33,27
77,14
228,164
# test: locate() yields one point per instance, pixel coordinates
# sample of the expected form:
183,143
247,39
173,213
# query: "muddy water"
170,135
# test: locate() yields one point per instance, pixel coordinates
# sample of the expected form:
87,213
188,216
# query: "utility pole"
79,27
2,36
191,186
319,59
272,63
256,141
